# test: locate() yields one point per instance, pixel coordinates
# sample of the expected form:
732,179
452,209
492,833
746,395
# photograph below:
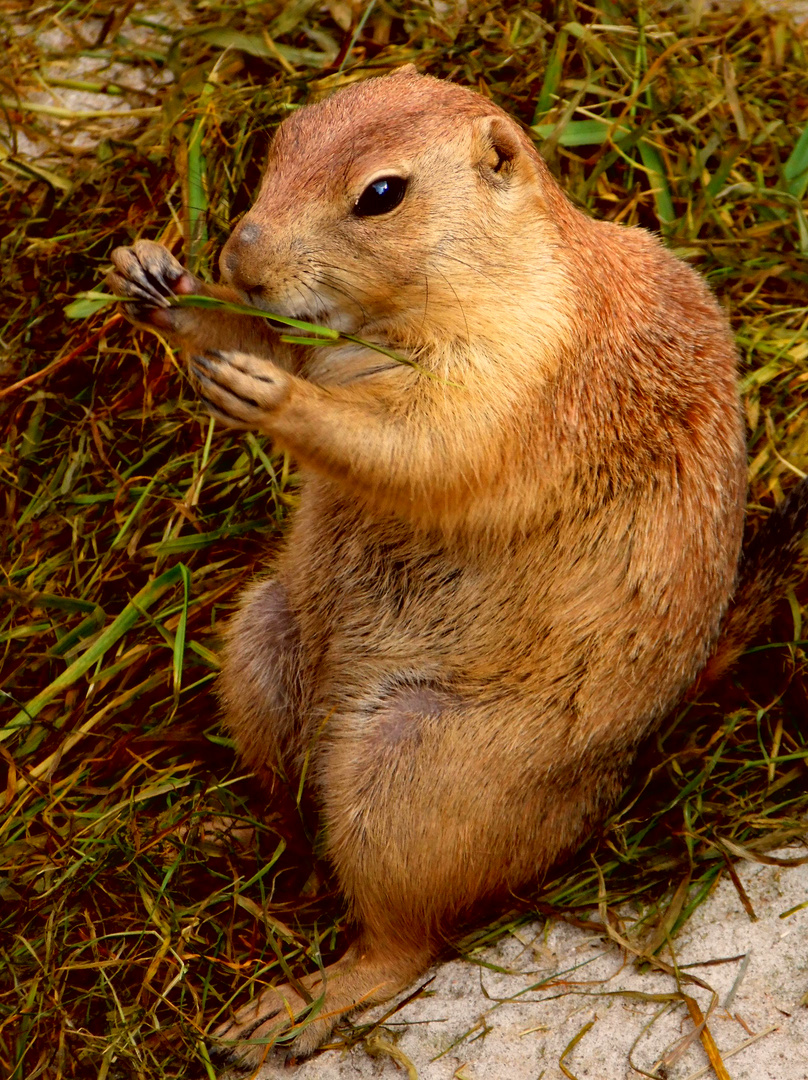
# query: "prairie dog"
508,564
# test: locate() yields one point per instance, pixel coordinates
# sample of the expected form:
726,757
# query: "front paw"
240,390
150,276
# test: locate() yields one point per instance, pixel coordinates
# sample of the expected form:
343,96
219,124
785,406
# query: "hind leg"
431,806
260,684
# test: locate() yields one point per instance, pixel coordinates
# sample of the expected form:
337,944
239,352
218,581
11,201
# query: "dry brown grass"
130,522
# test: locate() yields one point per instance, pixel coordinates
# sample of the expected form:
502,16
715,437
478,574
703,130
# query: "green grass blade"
552,75
795,170
659,184
114,632
179,637
197,200
88,304
584,132
313,329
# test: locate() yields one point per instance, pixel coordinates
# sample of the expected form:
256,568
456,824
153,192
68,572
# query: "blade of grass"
795,170
179,637
584,132
552,75
123,623
659,184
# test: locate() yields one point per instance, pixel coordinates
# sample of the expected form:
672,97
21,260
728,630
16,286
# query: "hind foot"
280,1023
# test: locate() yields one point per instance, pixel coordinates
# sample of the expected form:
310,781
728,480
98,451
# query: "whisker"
459,304
338,288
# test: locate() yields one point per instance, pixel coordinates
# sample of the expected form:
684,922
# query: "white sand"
475,1024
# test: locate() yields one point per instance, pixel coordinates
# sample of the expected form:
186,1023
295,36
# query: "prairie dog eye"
381,196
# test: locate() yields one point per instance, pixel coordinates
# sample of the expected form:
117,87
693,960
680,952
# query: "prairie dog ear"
499,145
406,71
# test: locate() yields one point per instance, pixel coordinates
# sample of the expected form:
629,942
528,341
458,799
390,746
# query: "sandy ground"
473,1023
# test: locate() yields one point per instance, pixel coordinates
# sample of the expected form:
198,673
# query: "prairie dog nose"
238,262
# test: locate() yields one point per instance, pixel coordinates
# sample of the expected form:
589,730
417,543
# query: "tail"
772,562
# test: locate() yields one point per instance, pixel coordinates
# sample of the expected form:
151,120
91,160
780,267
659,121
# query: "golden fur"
499,577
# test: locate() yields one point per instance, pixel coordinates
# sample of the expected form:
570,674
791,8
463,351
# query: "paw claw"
146,273
241,389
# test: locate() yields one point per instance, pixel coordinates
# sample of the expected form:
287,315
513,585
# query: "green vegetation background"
145,883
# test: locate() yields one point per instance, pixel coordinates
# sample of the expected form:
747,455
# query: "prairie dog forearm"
443,450
424,447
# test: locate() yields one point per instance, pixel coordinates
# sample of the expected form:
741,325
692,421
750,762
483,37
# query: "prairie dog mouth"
320,314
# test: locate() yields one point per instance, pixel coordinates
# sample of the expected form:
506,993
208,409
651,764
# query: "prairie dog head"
409,209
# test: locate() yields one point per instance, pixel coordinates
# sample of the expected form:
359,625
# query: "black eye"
380,197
